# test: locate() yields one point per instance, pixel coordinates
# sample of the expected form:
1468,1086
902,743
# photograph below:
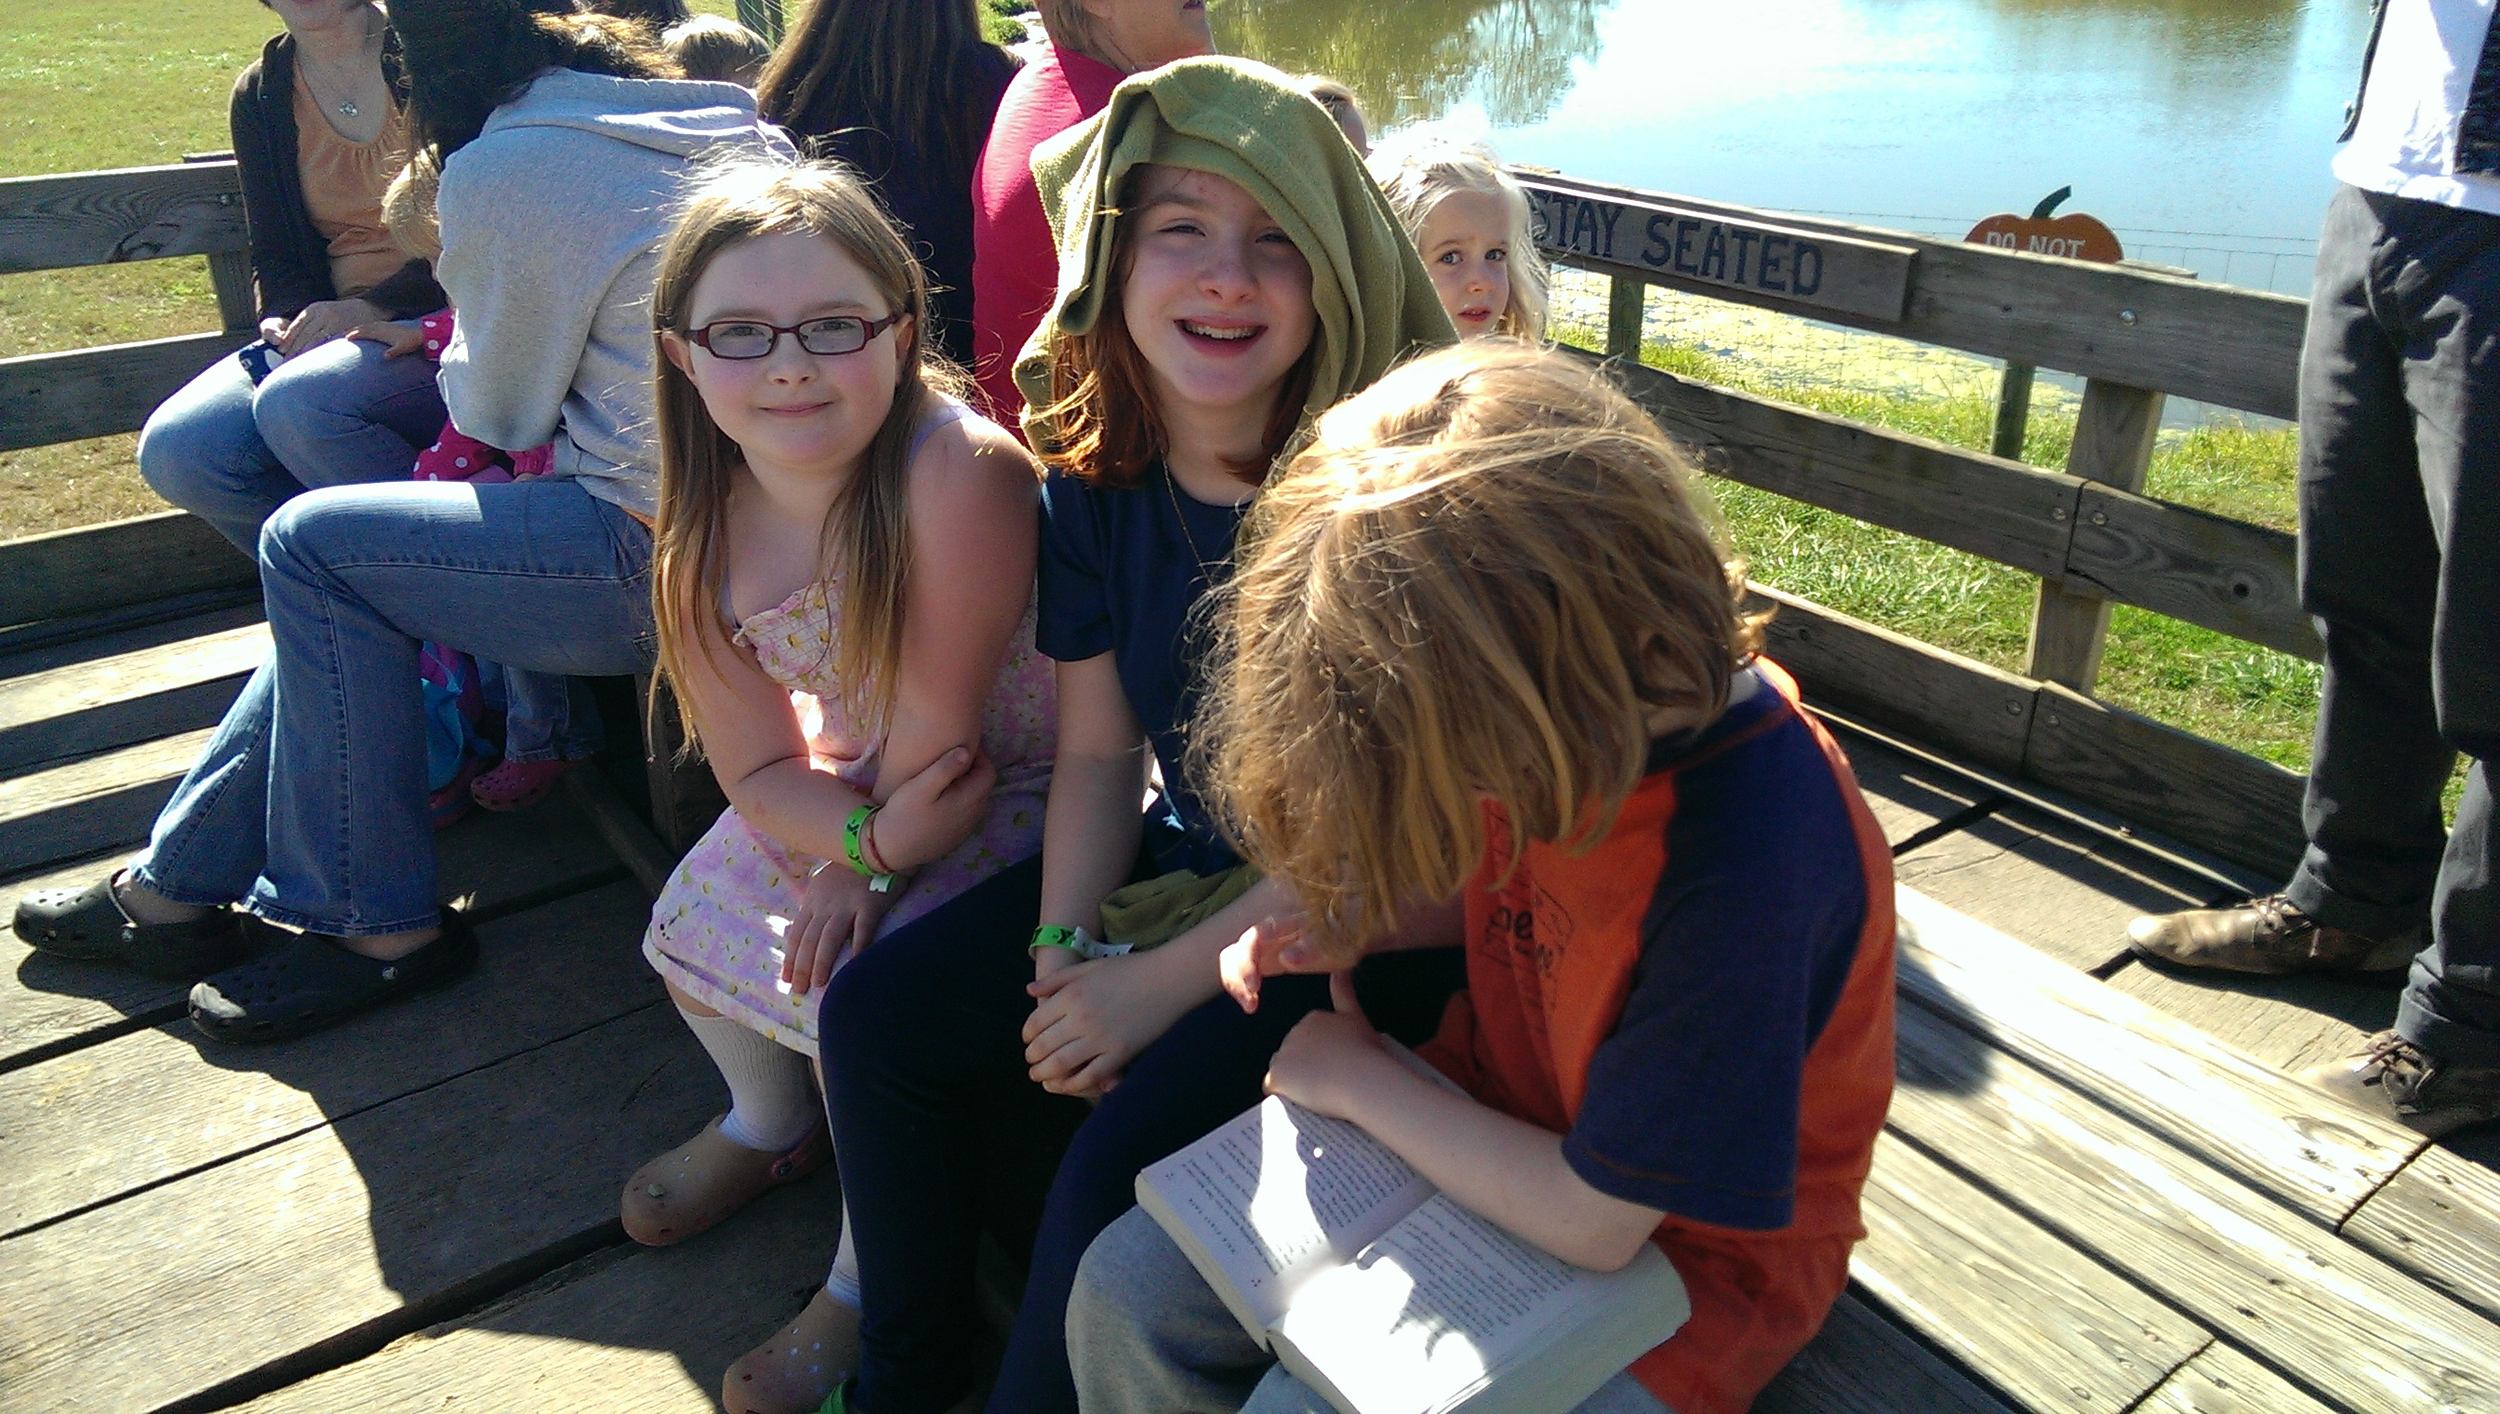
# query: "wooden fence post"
230,272
1623,317
2114,445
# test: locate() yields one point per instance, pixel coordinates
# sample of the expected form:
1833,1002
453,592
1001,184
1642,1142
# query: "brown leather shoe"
802,1363
2397,1079
2267,935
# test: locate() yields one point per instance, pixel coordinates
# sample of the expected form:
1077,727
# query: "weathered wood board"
2290,1023
2003,511
79,807
1861,1363
104,1121
356,1232
2229,802
1898,683
2225,1380
92,392
2223,574
1909,795
2280,1285
2064,890
67,572
625,1331
128,213
2165,1076
2038,1320
117,700
2440,1219
115,634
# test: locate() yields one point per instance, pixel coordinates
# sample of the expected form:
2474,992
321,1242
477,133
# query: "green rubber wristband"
852,829
1052,935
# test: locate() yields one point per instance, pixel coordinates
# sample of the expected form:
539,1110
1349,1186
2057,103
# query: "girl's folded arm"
973,544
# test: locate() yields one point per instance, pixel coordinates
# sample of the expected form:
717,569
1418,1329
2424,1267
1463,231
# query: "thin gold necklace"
1171,488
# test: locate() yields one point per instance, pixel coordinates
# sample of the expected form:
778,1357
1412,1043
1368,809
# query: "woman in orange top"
319,131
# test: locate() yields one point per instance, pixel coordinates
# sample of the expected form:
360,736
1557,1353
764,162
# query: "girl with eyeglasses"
842,579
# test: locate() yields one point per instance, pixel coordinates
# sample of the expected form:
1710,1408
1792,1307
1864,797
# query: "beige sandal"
794,1371
702,1181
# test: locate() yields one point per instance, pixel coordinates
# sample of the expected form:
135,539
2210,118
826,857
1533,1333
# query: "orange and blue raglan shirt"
1701,1006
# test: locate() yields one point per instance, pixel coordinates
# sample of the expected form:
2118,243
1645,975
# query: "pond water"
2198,129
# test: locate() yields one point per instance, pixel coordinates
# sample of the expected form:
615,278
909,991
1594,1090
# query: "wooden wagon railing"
2135,336
104,218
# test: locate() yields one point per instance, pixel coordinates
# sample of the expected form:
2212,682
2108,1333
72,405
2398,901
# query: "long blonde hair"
864,531
1475,587
1418,171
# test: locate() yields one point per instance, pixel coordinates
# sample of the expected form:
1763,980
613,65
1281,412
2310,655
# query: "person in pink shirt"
1093,44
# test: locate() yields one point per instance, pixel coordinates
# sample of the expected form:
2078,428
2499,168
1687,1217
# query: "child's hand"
397,340
1091,1019
1271,947
933,812
1330,1057
838,915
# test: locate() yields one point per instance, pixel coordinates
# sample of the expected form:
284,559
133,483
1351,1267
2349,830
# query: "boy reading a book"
1486,649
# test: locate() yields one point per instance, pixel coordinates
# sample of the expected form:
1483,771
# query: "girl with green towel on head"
1228,270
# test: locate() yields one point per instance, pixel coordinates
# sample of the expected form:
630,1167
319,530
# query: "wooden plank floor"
2099,1189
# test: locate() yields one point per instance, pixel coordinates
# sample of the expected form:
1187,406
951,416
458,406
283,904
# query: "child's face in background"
793,411
1465,243
1217,297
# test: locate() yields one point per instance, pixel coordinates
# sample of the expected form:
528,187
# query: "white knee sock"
772,1106
842,1283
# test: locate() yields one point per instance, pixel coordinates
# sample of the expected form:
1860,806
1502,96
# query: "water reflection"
1421,58
2199,128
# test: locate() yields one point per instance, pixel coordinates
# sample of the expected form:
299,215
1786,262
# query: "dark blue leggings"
937,1129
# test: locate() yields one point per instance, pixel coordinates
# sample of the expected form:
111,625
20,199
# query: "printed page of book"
1274,1195
1449,1312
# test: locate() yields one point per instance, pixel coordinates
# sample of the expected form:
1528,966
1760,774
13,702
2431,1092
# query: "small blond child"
719,48
1483,647
1469,220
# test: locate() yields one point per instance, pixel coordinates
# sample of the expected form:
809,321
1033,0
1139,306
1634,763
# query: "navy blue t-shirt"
1123,572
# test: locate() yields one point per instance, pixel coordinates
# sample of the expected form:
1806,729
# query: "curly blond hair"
1486,583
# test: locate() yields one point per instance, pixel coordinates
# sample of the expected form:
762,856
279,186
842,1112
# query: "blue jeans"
310,804
335,415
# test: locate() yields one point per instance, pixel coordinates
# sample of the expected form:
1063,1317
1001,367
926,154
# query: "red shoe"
517,785
447,806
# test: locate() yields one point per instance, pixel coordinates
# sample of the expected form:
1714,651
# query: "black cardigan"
290,260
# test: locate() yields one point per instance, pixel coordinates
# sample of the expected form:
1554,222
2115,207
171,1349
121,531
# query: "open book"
1382,1294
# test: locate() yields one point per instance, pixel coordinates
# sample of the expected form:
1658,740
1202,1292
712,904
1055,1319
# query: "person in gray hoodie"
563,142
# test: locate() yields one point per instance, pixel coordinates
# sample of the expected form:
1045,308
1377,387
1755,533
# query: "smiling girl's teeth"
1207,332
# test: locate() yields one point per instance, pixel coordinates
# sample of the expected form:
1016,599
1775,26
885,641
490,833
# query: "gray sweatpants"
2400,567
1147,1335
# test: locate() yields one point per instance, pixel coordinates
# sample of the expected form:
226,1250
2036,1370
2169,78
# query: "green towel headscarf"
1245,121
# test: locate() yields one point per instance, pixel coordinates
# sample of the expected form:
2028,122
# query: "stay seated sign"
1687,245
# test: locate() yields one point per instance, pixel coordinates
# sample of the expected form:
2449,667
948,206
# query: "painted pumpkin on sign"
2074,236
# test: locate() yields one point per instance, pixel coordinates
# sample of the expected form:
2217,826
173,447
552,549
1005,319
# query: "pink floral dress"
716,931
